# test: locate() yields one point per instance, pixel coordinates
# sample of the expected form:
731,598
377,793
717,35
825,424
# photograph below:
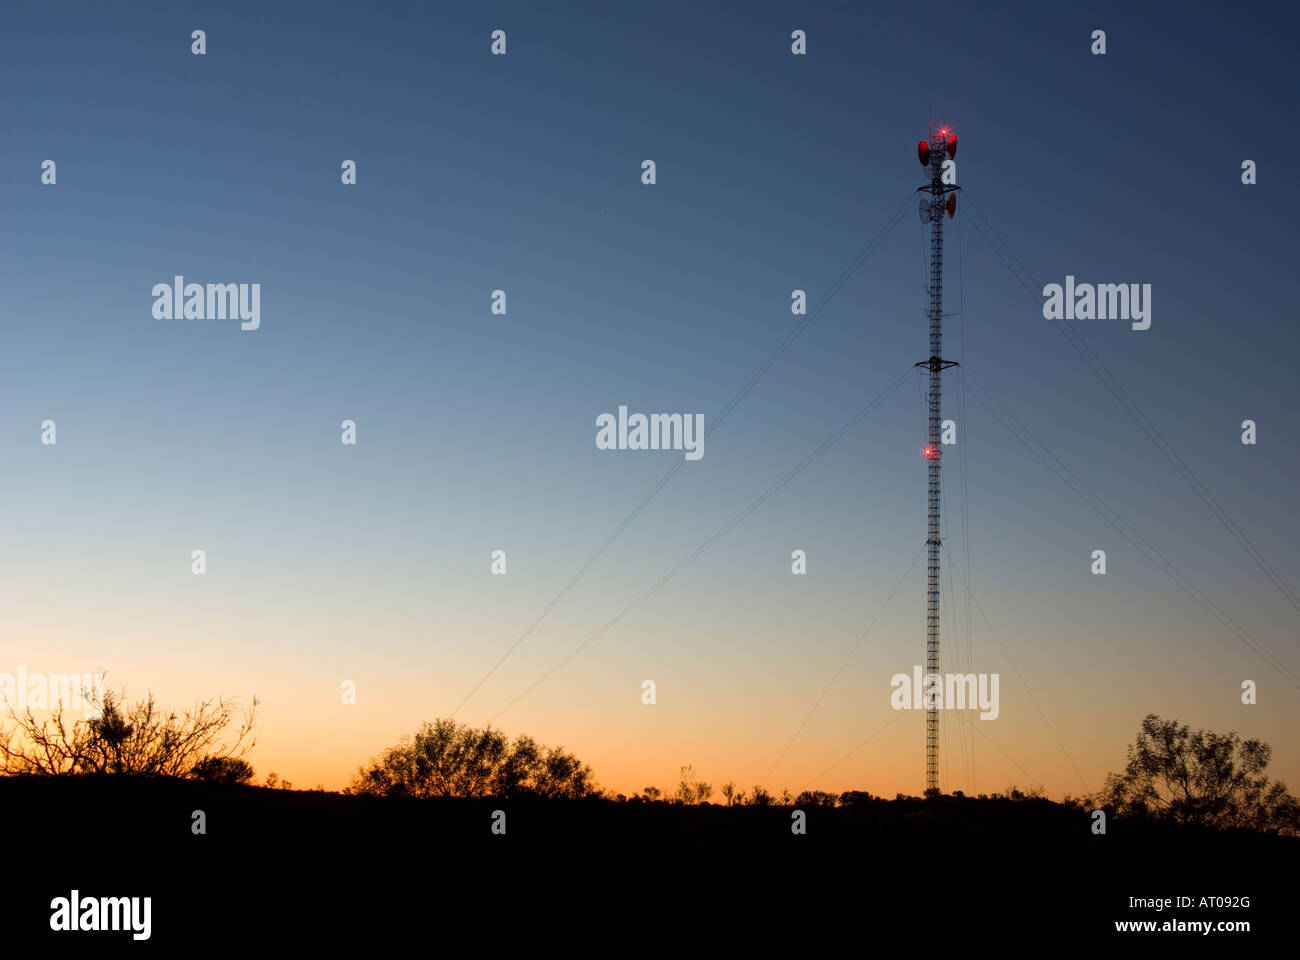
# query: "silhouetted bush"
1200,777
138,739
816,798
733,796
1015,793
223,770
855,799
689,790
449,759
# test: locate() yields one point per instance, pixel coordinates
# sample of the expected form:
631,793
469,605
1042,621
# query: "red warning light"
929,451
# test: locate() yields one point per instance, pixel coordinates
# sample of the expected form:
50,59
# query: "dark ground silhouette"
285,866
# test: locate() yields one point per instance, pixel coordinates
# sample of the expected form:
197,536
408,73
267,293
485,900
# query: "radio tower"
941,199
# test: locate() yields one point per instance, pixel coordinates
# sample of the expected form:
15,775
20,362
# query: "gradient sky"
476,432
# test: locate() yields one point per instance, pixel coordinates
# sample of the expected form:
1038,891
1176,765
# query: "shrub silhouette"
138,739
816,798
856,799
690,790
1200,777
732,795
223,770
758,797
449,759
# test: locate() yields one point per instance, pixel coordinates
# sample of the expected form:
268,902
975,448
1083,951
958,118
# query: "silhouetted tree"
689,790
733,796
1200,777
1013,792
223,770
758,797
139,739
450,759
816,798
